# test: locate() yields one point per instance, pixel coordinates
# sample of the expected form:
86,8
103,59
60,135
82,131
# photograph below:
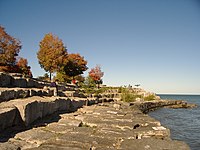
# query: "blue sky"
155,43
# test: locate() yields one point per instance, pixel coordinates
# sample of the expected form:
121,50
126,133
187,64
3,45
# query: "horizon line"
178,94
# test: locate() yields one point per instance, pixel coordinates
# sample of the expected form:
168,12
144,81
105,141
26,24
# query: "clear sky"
155,43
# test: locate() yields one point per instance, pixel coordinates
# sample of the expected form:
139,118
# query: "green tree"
9,48
62,77
52,53
89,86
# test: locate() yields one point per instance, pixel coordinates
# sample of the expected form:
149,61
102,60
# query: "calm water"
184,124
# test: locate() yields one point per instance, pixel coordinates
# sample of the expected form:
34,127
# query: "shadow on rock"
12,131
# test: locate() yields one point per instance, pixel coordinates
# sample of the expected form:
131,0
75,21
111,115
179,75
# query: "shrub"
128,96
150,97
121,89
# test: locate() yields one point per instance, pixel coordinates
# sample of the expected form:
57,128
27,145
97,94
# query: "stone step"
28,110
7,94
36,107
7,80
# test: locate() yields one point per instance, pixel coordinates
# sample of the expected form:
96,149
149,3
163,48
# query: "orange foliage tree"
9,48
52,53
96,74
22,64
75,65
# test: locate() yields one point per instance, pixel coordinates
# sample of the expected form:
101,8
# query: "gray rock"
35,137
19,82
5,80
21,93
9,94
34,108
77,103
6,95
117,106
153,144
9,116
33,92
91,127
9,146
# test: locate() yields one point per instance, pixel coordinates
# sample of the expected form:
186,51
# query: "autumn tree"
52,53
96,74
9,48
22,64
75,65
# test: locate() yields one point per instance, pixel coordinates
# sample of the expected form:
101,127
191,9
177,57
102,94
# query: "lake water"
184,124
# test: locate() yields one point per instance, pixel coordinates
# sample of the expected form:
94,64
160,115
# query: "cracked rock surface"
98,127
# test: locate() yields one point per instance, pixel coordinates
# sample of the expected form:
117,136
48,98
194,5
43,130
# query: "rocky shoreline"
33,116
110,125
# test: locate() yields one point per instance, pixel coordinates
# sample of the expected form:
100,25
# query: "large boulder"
9,116
34,108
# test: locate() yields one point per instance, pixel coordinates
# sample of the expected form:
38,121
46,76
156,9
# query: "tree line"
52,56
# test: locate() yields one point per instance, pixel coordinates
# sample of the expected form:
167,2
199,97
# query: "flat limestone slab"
9,146
35,136
153,144
98,127
7,94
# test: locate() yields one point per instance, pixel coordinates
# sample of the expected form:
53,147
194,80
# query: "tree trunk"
50,76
